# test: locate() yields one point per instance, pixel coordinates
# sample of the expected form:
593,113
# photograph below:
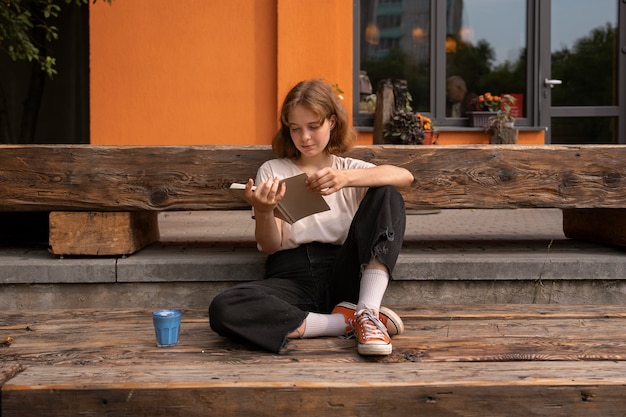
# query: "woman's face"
309,136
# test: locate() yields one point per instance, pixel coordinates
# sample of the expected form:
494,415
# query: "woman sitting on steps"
325,274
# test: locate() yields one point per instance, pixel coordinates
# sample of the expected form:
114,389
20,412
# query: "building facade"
209,72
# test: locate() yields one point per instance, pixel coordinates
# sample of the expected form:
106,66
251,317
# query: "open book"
298,202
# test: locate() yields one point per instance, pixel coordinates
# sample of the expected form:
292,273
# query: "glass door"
580,72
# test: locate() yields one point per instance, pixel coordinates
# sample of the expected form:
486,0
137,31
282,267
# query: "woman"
327,262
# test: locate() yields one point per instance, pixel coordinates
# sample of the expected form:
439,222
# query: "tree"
26,29
589,70
473,63
397,64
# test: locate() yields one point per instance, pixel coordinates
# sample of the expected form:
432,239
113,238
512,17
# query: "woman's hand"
268,229
266,195
327,181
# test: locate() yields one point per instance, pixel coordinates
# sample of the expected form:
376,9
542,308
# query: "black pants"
313,277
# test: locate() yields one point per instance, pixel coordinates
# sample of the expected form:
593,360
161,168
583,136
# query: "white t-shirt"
326,227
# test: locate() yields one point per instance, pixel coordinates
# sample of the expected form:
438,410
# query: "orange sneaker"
388,317
371,334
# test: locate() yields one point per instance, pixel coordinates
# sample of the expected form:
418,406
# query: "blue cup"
166,327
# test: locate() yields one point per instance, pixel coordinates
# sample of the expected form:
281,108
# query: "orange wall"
209,72
198,72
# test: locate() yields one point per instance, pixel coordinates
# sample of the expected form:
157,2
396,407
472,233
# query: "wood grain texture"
475,360
108,178
101,233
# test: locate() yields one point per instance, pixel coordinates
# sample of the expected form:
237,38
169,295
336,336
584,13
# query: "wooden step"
490,360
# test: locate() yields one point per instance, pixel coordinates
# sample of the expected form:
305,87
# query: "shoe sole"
394,319
374,349
394,323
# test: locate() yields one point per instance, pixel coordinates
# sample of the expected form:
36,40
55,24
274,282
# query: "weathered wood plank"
17,319
374,389
439,334
102,233
84,177
127,178
9,370
491,360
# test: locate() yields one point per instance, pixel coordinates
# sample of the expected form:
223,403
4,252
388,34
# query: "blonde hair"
319,97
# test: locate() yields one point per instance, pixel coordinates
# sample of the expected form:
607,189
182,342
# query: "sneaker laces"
372,327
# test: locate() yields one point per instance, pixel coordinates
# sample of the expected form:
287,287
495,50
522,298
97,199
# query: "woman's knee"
224,307
218,309
387,195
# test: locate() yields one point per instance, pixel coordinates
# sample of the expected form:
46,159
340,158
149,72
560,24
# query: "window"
586,61
481,52
485,52
395,43
562,59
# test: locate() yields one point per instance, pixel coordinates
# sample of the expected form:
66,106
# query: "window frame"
365,121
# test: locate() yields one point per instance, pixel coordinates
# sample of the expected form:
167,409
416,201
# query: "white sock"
373,286
317,325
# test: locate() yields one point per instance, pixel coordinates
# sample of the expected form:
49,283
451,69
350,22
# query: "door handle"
551,83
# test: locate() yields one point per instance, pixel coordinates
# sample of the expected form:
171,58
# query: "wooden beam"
128,178
102,233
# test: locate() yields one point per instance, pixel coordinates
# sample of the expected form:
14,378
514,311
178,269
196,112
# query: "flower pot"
430,137
480,118
503,136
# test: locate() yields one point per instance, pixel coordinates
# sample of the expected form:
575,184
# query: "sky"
502,22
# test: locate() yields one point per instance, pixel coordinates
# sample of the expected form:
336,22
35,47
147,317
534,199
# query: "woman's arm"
329,180
268,229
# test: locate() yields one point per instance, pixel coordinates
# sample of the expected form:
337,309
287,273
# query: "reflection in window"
485,52
584,130
395,43
585,58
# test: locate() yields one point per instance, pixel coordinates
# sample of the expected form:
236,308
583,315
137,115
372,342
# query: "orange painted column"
209,72
315,41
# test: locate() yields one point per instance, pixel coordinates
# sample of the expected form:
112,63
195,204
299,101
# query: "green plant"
337,90
403,128
27,29
503,116
407,128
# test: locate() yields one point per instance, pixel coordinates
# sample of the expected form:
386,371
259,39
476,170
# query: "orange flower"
425,122
490,102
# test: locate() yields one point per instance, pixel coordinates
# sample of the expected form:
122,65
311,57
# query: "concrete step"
507,256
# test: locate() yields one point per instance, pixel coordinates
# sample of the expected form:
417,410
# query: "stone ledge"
37,266
162,263
427,261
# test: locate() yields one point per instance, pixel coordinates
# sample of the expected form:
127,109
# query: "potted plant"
487,106
429,133
502,123
408,128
